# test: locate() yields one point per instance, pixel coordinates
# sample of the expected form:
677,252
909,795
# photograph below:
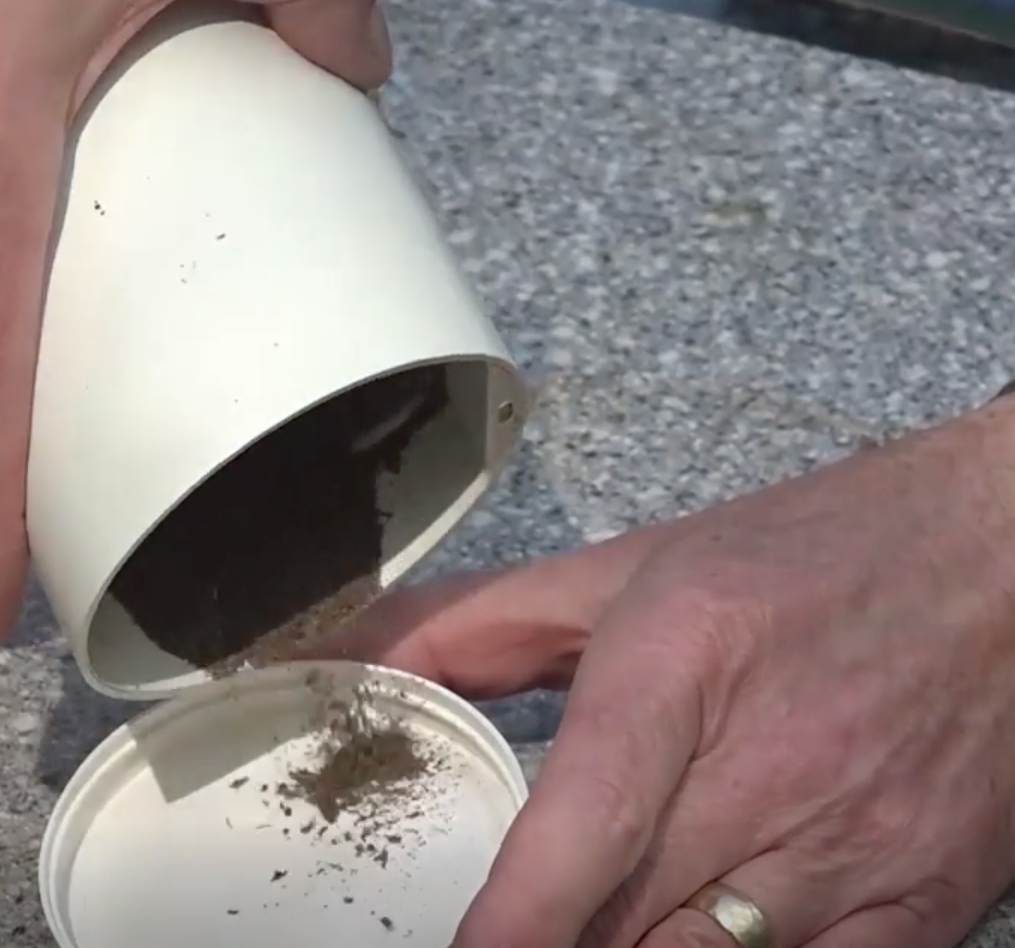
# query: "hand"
808,693
51,54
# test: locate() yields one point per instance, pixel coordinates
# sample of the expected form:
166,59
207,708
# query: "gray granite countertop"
722,258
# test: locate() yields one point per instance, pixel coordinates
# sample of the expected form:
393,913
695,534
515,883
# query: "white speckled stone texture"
723,258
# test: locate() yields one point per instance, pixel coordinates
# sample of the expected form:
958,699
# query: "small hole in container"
505,412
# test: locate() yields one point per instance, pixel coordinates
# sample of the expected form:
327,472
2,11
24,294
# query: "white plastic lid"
173,832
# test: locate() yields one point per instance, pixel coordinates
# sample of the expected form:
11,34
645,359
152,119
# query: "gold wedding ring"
734,913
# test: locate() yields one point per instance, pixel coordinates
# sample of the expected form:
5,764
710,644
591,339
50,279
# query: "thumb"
496,633
347,37
631,727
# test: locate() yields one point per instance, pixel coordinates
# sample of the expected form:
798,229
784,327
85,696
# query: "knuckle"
696,930
933,901
720,628
612,783
622,813
486,927
891,823
686,928
606,929
626,915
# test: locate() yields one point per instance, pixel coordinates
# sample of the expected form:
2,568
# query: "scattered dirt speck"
363,756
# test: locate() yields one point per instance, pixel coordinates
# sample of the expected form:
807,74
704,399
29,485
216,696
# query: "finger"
797,902
499,632
686,928
484,635
887,926
631,725
697,820
347,37
667,879
797,897
32,130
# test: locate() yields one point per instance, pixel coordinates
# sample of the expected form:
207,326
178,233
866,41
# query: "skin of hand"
51,54
807,693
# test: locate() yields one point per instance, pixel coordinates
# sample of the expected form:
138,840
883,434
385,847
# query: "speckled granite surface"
723,258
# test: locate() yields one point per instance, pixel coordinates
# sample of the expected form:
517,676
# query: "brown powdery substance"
284,542
363,758
367,768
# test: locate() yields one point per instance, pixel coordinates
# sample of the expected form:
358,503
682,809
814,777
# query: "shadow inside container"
83,718
528,520
531,521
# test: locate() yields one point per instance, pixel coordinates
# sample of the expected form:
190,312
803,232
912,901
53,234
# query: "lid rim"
105,780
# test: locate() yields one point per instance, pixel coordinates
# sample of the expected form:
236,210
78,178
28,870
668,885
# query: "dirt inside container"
284,543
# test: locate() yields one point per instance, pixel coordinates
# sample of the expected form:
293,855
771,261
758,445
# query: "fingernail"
379,45
378,30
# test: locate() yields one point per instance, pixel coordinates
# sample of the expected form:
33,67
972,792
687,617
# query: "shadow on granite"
871,34
79,718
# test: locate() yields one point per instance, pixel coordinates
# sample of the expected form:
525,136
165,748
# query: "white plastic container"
172,832
240,243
